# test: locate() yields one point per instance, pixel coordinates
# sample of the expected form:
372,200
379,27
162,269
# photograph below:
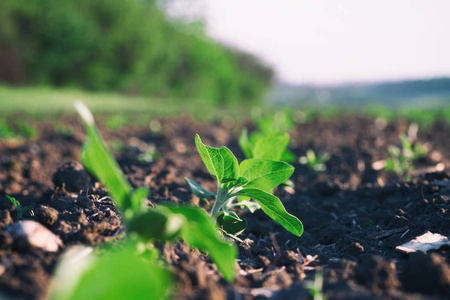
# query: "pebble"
30,234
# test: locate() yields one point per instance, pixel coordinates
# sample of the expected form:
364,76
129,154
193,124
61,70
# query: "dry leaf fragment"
425,242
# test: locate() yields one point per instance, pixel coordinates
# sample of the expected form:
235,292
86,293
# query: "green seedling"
241,185
19,209
271,140
280,121
144,226
150,155
6,132
27,130
314,162
402,158
315,288
265,146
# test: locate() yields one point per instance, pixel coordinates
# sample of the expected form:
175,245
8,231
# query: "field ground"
31,103
354,215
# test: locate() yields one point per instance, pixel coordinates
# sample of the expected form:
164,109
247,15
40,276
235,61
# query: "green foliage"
315,288
119,274
19,209
402,158
6,132
128,46
271,140
314,162
27,130
143,226
252,179
21,130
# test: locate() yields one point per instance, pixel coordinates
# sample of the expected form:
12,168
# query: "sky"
339,41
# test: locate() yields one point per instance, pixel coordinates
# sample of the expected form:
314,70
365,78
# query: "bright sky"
318,41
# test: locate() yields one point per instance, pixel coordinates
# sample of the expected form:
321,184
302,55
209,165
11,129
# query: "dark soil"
354,216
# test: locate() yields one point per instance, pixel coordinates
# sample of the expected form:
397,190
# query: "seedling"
143,226
237,184
271,140
6,132
314,162
19,209
27,130
402,158
315,288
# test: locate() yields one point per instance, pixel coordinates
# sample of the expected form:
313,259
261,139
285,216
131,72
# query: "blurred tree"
130,46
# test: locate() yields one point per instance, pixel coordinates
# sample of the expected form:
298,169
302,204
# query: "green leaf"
250,205
311,156
273,207
230,216
117,275
231,225
271,147
245,144
13,201
100,162
241,181
157,225
200,232
138,197
220,162
198,190
288,156
265,174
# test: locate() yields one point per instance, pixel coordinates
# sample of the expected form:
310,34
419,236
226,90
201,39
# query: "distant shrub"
125,45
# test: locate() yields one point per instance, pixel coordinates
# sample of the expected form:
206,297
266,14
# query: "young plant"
6,132
19,209
402,158
315,288
27,130
237,184
143,227
271,140
314,162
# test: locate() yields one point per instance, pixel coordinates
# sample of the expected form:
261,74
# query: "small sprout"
144,226
150,155
314,162
402,157
238,184
6,132
271,141
27,130
19,209
315,288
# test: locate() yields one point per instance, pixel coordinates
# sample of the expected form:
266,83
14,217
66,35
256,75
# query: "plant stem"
221,199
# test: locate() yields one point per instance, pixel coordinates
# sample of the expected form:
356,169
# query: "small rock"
30,234
427,274
72,176
5,218
374,272
47,215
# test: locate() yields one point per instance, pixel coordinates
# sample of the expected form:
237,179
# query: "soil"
354,216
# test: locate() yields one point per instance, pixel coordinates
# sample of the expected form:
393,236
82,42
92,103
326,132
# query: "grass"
44,103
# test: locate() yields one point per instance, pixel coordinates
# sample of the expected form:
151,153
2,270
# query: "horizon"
337,43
